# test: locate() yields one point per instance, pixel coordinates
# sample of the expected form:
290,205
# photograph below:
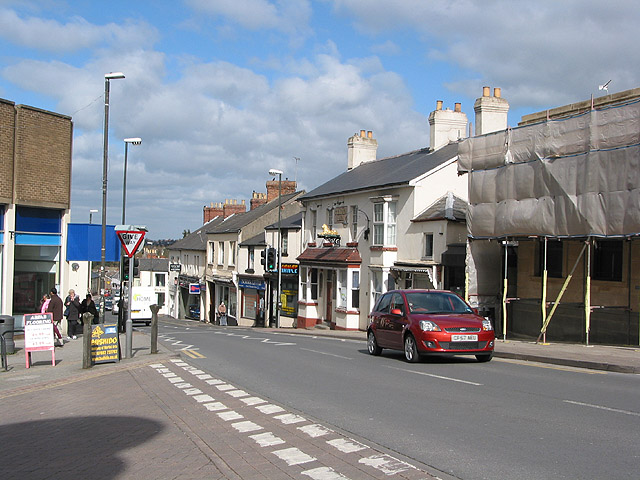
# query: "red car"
423,322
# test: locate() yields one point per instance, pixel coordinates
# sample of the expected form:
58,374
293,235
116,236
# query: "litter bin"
7,325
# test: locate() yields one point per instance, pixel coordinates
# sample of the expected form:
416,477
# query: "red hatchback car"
423,322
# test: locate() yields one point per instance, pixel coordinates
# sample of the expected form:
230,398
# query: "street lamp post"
275,172
105,160
127,141
91,212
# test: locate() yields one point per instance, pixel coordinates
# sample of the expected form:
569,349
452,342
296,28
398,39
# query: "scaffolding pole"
587,294
544,290
504,292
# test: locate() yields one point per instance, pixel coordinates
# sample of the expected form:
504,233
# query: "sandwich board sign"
130,237
38,335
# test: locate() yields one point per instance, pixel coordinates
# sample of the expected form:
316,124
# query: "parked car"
425,322
194,312
108,303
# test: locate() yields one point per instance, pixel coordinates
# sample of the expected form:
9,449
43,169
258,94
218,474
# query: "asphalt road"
497,420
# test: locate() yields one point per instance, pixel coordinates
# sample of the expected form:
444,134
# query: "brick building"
35,196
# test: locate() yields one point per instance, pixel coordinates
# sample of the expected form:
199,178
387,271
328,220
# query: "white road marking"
215,406
315,430
386,464
324,473
325,353
157,365
237,393
293,456
188,347
270,409
246,426
214,381
253,401
347,445
203,398
169,375
192,391
183,385
205,376
196,372
230,415
176,380
163,370
289,418
267,439
600,407
225,387
437,376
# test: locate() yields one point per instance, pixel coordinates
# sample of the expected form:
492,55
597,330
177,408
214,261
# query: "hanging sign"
131,240
194,288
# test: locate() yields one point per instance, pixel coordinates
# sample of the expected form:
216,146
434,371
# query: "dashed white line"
247,426
215,406
267,439
237,393
293,456
176,380
451,379
270,409
224,387
325,353
192,391
600,407
203,398
253,401
230,415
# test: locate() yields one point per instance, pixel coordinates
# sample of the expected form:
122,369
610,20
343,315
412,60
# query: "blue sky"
221,91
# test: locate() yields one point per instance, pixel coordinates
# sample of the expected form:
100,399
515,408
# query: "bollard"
87,318
154,328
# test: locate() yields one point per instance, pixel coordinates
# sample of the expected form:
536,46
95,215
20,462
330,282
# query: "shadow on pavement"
74,447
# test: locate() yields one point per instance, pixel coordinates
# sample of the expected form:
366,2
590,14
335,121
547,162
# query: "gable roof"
447,207
236,222
386,172
154,264
196,240
294,222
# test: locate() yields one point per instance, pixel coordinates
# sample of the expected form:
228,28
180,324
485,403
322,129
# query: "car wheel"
372,344
410,349
485,357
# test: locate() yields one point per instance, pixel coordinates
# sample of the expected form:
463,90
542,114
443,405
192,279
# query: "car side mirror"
396,311
475,310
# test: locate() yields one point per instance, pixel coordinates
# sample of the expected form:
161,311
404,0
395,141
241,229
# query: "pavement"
160,417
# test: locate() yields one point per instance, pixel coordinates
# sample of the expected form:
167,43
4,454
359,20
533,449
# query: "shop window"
342,288
355,289
41,220
161,279
607,260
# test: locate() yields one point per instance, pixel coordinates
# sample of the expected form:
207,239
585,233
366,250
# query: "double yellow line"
193,354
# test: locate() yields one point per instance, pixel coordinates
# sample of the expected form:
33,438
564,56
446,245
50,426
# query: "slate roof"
294,222
154,264
330,255
196,240
386,172
257,241
439,211
236,222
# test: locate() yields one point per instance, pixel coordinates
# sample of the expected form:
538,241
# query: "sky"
222,91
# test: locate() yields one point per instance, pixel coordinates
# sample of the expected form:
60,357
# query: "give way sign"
131,240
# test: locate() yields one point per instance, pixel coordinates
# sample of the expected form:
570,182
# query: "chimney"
257,199
361,148
491,112
288,186
232,207
208,213
446,125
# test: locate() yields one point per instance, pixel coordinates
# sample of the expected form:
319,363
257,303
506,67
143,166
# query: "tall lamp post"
275,172
105,160
91,212
127,141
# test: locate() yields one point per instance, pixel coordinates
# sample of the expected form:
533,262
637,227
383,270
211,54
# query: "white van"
141,300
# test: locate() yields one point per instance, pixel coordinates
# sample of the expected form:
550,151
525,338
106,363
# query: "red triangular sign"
131,240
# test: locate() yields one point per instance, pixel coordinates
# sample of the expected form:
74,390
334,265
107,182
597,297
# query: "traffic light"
271,260
263,257
125,268
136,269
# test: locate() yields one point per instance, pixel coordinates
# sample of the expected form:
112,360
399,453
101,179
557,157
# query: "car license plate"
464,338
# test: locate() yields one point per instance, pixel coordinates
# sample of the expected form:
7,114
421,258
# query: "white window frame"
329,221
220,253
355,289
251,257
385,218
232,253
342,288
428,245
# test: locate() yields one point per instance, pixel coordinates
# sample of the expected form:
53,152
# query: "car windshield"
436,302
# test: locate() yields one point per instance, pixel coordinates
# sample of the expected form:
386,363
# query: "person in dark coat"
55,307
89,306
72,303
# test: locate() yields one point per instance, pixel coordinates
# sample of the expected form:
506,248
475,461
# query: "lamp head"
275,172
133,141
113,75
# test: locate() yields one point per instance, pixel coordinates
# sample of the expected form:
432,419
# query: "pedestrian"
222,313
55,307
44,305
89,306
72,303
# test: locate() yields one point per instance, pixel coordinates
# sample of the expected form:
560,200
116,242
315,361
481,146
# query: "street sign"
131,240
175,267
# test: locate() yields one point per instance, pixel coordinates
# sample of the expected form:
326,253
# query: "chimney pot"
439,105
486,91
369,134
496,92
458,107
362,133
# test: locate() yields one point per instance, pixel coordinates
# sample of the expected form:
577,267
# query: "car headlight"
429,326
486,325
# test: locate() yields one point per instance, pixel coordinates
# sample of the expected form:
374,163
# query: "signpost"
131,237
38,335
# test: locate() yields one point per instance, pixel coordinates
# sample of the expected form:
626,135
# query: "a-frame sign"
131,240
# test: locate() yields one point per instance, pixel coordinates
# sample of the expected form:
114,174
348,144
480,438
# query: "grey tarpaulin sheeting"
578,176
